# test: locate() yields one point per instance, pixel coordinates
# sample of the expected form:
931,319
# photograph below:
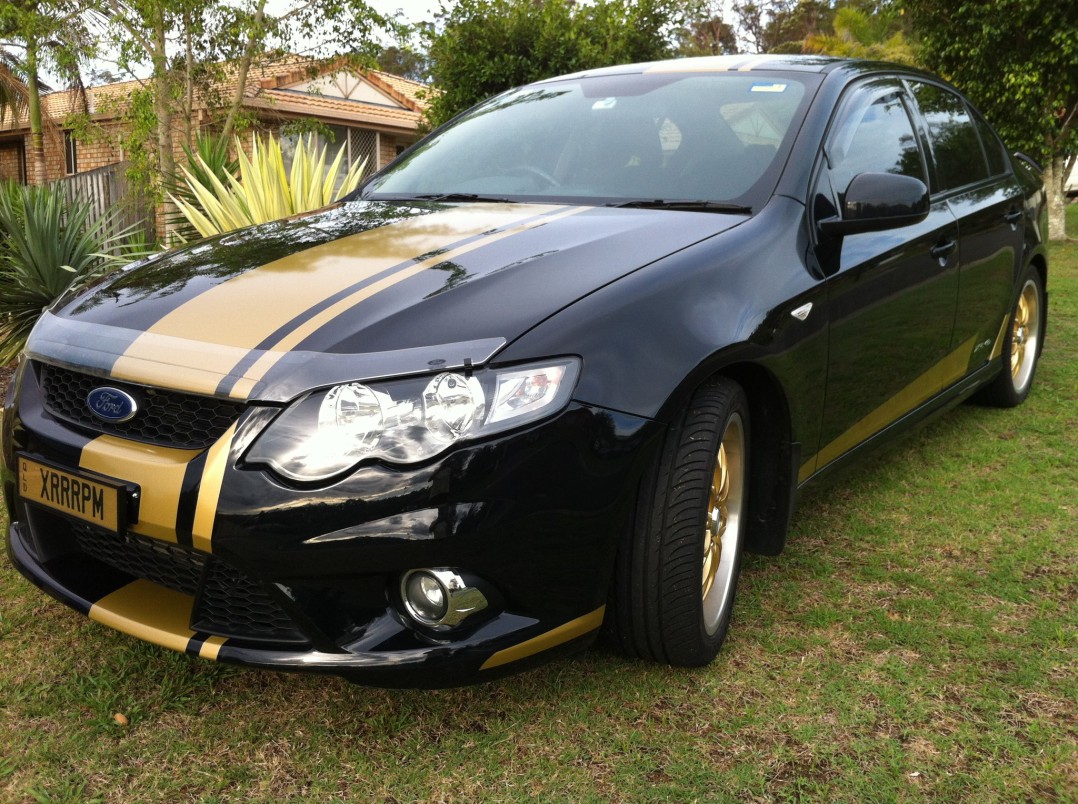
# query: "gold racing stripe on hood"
195,346
320,319
158,471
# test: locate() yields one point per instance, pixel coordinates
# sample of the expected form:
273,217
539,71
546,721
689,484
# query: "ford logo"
112,404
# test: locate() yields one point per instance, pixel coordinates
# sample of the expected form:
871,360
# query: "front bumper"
227,562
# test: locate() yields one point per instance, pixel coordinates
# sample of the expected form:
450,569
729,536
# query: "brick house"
372,114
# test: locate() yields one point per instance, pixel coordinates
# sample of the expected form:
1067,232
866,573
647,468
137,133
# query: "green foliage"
406,61
209,157
707,35
488,46
47,245
860,35
139,124
265,191
1016,59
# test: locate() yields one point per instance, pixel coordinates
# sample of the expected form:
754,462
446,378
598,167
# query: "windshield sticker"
605,103
767,87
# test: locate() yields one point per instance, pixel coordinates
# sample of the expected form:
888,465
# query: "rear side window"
956,148
993,148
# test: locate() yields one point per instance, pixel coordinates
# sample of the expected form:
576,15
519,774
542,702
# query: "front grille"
230,605
165,564
227,601
165,418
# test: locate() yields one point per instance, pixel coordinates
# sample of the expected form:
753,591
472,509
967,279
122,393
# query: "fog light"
439,598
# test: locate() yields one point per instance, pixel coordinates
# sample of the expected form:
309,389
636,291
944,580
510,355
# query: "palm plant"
48,245
13,92
209,157
265,190
51,35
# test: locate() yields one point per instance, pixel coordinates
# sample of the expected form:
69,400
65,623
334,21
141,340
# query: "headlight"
410,420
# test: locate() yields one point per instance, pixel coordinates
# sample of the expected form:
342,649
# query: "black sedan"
550,372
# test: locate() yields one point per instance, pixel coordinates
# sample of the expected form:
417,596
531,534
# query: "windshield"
715,137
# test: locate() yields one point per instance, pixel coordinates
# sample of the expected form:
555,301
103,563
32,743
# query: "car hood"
353,292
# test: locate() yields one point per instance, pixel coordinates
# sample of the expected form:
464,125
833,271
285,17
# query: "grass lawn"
918,640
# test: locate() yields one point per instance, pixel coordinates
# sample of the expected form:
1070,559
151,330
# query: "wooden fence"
107,187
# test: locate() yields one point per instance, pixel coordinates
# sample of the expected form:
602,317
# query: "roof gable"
346,86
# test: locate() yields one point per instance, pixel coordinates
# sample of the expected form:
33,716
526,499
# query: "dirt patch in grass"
6,373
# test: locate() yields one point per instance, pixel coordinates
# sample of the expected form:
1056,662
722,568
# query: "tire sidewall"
1018,395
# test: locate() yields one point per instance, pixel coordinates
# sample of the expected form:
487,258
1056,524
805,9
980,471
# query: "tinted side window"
993,148
874,137
955,145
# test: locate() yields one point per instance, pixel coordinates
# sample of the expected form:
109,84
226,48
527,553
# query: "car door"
891,294
968,170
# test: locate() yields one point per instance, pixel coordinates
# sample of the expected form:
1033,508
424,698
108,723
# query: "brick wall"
99,152
391,144
11,161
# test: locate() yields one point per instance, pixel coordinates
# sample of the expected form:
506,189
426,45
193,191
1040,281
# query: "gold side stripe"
209,491
558,636
149,612
158,471
240,313
259,369
952,368
997,349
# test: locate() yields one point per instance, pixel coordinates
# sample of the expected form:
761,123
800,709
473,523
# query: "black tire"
662,607
1021,347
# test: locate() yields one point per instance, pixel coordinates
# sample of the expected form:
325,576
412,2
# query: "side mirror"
878,201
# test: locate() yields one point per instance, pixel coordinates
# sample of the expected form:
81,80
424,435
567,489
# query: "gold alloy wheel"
722,530
1025,335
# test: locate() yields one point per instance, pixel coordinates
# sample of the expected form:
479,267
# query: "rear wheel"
677,574
1021,347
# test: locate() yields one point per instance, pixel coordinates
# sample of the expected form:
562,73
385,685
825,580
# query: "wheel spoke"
723,524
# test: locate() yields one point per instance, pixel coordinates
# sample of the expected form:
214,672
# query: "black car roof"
745,63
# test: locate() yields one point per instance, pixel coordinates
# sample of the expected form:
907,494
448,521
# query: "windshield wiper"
461,197
688,205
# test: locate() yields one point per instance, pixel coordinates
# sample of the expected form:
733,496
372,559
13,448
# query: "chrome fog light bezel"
461,599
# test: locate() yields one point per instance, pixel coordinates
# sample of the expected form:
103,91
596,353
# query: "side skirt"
937,405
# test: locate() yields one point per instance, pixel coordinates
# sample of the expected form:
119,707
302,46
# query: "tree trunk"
162,98
38,173
244,66
189,84
1054,178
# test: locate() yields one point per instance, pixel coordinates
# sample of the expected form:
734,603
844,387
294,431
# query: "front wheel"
677,572
1021,347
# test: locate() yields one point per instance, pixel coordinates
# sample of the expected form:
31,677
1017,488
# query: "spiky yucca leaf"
264,191
47,245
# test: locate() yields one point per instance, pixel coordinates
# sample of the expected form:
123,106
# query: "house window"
71,154
360,144
363,144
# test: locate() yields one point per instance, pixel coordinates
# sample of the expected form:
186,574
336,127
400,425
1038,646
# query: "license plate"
96,500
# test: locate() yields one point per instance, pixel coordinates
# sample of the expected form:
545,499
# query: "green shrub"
265,191
48,245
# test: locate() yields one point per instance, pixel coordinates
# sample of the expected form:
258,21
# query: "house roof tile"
264,90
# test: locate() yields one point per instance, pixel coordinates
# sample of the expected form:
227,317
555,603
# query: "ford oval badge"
111,404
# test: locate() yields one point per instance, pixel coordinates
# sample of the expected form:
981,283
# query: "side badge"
111,404
802,312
